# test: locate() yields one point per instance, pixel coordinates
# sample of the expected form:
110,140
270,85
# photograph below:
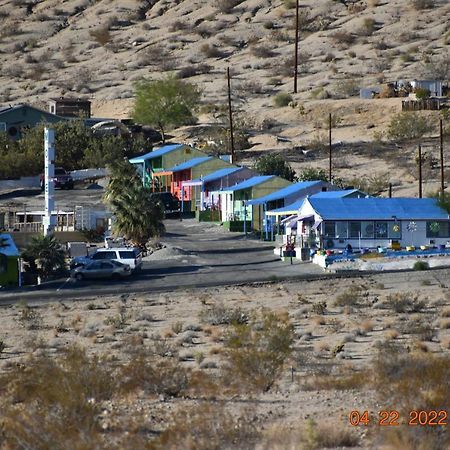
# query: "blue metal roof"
289,208
284,192
189,164
7,245
218,174
373,208
337,194
155,153
254,181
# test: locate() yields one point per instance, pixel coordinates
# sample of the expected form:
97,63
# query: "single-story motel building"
161,159
9,261
370,222
206,189
234,199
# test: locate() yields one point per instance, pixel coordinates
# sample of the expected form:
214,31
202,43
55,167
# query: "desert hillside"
98,49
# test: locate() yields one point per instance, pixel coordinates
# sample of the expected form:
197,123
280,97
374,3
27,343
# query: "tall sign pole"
441,138
329,148
230,114
296,49
420,171
49,221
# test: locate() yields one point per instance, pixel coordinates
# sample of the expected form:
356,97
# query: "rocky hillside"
97,49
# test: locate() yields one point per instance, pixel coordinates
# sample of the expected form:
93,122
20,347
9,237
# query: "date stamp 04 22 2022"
392,418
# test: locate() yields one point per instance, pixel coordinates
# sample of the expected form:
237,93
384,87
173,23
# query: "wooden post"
390,190
441,139
296,49
230,114
420,171
329,149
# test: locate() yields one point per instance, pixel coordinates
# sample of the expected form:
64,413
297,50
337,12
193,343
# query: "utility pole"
296,49
329,148
441,139
230,113
390,190
420,171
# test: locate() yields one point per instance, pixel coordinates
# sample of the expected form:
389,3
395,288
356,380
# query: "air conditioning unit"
3,127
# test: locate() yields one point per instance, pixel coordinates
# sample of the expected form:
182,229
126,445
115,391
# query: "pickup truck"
62,179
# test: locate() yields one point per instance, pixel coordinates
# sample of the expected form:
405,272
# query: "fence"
431,104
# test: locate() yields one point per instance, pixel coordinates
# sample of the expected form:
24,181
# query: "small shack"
70,107
9,262
209,185
234,207
161,159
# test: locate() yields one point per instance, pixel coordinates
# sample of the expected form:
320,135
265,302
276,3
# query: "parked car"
101,269
62,179
126,255
167,201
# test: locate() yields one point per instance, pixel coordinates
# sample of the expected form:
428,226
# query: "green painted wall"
178,156
255,212
11,276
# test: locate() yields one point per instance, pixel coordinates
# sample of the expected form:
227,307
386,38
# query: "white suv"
126,255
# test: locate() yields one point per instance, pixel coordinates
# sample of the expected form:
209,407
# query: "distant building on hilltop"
70,107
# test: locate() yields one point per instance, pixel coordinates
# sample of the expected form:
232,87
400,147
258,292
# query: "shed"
9,262
234,199
434,86
70,107
372,222
209,185
14,118
161,159
187,171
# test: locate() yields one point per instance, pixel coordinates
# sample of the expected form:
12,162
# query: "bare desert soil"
341,327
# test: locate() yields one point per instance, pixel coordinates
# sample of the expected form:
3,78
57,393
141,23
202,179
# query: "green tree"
312,174
169,102
137,216
275,164
407,126
256,351
45,256
443,200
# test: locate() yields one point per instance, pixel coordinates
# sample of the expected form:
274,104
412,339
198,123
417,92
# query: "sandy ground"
174,318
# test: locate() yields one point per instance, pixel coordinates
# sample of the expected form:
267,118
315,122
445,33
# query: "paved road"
209,257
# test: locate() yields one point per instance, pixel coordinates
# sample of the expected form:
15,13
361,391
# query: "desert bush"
422,4
346,88
256,352
350,297
227,6
369,26
343,37
153,375
262,51
319,308
211,51
101,35
407,126
207,427
218,314
282,99
402,302
55,402
421,265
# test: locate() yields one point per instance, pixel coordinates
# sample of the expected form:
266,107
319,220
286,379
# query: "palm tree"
137,216
45,256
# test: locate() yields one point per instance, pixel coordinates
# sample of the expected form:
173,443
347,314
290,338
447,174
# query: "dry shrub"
422,4
218,314
101,35
207,427
55,402
402,302
343,37
413,382
153,375
256,351
262,51
227,6
350,297
211,51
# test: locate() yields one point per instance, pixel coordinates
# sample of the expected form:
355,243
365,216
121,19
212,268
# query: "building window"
438,229
330,229
367,229
381,230
341,230
355,229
